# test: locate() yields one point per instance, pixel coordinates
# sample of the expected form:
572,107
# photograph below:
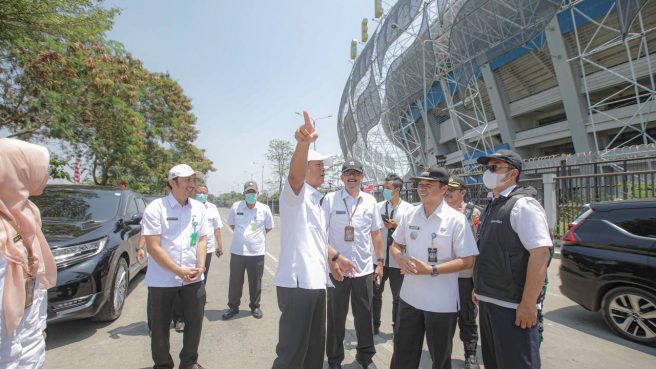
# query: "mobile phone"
385,217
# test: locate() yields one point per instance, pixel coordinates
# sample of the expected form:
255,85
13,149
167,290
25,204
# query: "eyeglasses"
493,168
351,173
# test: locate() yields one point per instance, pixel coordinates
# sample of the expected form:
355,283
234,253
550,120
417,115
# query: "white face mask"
493,180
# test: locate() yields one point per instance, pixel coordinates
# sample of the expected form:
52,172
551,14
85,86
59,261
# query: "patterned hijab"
23,173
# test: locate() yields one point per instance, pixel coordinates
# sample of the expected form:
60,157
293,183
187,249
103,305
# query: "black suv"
609,263
93,233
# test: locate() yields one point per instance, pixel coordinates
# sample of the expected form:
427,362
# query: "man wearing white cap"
176,231
305,257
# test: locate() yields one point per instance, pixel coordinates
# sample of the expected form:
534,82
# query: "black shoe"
179,326
471,362
257,313
370,365
376,330
230,313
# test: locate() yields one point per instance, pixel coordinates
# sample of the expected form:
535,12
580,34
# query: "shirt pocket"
443,242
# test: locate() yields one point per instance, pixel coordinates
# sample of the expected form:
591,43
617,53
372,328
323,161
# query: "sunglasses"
493,168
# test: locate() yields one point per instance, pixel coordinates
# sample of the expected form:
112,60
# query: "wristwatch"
336,256
434,272
381,261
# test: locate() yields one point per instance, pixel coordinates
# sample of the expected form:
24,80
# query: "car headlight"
74,253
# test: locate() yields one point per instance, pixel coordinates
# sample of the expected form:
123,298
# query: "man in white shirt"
391,210
432,243
305,257
510,274
214,241
455,197
353,223
250,221
176,233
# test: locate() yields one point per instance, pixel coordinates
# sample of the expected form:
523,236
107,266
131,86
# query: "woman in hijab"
27,268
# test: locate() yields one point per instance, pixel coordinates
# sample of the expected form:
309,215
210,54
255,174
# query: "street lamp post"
314,124
261,183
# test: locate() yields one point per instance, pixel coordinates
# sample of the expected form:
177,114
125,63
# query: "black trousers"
254,266
467,316
413,324
161,301
505,345
395,281
178,315
360,291
302,328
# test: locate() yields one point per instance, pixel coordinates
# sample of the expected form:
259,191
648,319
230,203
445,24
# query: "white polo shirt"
529,220
249,234
365,218
395,213
175,225
303,261
447,231
214,221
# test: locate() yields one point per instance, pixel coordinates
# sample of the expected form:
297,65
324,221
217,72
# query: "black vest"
500,268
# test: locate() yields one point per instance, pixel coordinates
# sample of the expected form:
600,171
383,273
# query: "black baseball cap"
433,173
352,164
507,156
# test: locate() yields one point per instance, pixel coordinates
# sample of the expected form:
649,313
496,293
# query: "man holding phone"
391,210
176,231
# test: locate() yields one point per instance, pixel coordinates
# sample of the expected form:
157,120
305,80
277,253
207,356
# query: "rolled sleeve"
151,223
268,221
289,197
399,233
377,221
231,216
529,220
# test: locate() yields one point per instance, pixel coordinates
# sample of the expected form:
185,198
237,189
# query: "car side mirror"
135,219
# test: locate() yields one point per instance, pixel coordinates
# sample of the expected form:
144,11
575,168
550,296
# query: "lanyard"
348,212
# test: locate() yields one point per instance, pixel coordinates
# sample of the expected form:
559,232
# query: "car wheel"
631,312
119,289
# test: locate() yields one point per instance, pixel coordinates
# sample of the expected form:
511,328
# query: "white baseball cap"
183,170
327,159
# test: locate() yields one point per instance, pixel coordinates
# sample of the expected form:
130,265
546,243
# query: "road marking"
272,257
269,271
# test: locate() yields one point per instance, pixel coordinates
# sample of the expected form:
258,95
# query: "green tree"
280,154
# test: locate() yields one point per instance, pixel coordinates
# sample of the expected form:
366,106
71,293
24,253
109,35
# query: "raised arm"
304,136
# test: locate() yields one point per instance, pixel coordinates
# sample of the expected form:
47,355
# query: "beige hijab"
23,173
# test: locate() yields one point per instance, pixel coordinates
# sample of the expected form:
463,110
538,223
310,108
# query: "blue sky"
247,67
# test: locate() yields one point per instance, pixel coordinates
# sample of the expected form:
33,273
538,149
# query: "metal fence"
574,192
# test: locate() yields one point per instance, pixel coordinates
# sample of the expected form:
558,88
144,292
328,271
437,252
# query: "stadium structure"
445,81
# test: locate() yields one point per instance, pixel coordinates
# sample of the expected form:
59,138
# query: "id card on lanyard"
194,234
349,230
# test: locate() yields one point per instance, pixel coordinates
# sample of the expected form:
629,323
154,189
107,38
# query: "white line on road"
272,257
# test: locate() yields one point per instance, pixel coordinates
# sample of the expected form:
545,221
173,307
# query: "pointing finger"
308,121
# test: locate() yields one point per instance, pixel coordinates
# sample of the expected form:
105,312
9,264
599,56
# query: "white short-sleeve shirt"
339,206
529,220
214,222
395,213
175,224
250,225
303,261
444,234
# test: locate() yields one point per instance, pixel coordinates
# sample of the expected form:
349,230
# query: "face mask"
251,198
387,194
493,180
201,197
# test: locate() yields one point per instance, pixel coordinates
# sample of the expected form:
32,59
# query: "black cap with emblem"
433,173
507,156
352,164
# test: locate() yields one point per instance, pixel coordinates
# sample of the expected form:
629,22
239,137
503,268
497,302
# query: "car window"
141,205
132,208
640,221
77,204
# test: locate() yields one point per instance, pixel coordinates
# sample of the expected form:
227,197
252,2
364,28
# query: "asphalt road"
574,338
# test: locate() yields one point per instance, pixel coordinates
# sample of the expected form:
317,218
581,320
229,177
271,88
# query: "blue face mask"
387,194
251,198
201,197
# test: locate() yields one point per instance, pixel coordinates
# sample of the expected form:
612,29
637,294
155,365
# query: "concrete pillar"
508,126
550,203
568,83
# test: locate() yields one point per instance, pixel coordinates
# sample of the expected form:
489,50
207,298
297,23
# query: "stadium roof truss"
421,44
